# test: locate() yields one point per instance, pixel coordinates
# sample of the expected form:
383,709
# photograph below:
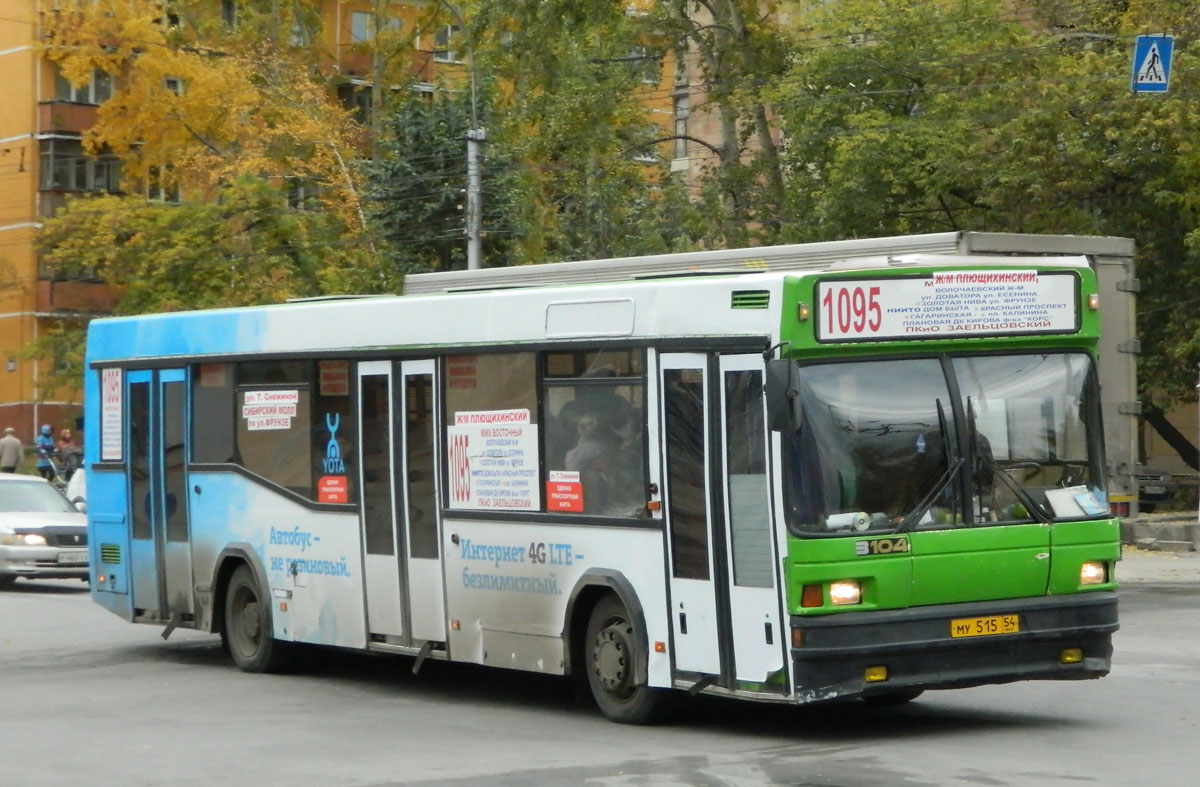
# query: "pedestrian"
12,451
70,455
45,450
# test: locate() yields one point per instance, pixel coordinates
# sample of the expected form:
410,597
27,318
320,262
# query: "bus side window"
595,409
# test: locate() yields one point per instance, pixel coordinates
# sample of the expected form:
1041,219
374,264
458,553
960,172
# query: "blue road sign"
1152,64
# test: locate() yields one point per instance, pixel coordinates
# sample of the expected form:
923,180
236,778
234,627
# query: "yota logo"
333,463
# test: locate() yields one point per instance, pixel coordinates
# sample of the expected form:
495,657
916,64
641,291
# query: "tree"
568,118
243,249
417,186
198,103
733,51
905,116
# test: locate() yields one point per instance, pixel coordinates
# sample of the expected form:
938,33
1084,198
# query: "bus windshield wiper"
913,517
980,457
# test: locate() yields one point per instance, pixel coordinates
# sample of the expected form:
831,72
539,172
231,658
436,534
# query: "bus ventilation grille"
750,299
110,553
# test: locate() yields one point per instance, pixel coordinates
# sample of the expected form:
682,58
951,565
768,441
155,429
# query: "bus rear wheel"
613,651
248,626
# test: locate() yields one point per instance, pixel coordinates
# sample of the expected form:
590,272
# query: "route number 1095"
851,309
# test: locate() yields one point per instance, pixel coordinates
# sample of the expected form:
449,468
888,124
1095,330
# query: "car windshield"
32,496
887,446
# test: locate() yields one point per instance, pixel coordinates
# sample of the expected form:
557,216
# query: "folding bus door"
687,495
161,537
416,412
382,540
754,598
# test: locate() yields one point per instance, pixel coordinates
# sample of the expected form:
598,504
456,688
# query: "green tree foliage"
245,248
905,117
733,50
569,128
198,103
417,186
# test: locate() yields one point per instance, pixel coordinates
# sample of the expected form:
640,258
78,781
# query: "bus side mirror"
783,395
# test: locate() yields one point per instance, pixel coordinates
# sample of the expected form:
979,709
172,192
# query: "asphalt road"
86,698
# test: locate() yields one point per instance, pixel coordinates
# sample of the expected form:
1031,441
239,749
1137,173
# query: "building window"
443,42
681,111
229,13
65,167
357,98
97,90
646,64
174,85
362,27
161,185
301,193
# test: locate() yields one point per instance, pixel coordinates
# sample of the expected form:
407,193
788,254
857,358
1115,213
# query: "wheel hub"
611,657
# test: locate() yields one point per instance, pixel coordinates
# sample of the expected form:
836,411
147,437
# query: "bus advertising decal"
564,491
332,488
334,378
493,459
538,553
269,410
947,304
110,415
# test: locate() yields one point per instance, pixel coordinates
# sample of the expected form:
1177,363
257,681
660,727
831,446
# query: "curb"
1172,533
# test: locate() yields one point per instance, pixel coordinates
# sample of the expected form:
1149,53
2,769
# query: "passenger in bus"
592,457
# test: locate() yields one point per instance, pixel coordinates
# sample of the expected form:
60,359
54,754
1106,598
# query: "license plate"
73,556
984,627
1154,490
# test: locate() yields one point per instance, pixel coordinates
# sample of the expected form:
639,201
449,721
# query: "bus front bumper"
1058,638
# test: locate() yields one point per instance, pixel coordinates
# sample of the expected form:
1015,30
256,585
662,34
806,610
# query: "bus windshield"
884,445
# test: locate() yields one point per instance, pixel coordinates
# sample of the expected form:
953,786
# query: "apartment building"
42,162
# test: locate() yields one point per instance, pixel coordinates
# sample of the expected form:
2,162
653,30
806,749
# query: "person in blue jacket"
45,449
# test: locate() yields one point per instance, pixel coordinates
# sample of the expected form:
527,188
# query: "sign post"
1152,64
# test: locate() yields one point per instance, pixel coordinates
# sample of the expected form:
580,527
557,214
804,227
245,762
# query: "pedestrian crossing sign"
1152,64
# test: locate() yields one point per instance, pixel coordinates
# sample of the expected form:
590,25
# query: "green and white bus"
865,477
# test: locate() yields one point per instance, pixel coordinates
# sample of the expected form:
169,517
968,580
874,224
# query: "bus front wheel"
613,650
248,626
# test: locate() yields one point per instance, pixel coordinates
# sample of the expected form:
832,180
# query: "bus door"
754,598
723,584
382,539
416,413
687,496
161,538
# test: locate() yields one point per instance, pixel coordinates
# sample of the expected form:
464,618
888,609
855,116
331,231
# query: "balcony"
66,116
76,297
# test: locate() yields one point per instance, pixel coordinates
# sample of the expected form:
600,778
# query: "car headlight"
844,592
1093,572
23,539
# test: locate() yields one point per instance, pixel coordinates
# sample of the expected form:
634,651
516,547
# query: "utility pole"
475,138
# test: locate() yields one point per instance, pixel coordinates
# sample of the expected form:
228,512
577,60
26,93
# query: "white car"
42,536
77,489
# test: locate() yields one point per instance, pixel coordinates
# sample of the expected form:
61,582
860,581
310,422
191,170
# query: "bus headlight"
844,592
1093,572
23,539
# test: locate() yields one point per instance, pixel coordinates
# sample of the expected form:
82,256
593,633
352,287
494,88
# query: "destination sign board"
947,304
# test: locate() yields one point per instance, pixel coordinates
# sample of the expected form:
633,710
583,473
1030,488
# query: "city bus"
860,478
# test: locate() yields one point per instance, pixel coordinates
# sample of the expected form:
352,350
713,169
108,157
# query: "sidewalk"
1168,531
1139,565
